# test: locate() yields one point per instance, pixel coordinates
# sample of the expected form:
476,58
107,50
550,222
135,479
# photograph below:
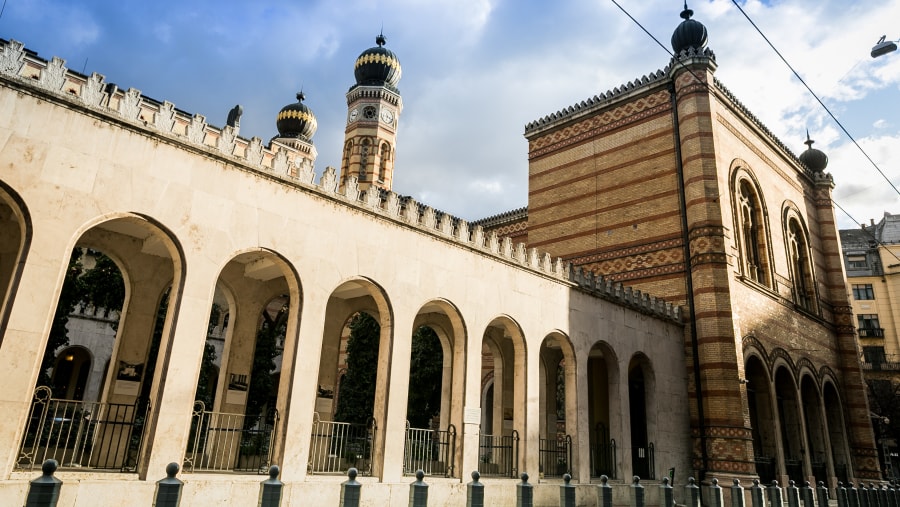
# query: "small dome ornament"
378,66
296,120
815,160
689,34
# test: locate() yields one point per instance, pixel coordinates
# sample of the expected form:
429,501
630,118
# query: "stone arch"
445,320
779,356
603,386
818,448
352,297
557,401
642,416
16,232
259,292
507,349
836,422
763,421
791,421
151,262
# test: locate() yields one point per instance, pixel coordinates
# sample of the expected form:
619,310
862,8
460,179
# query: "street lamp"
883,47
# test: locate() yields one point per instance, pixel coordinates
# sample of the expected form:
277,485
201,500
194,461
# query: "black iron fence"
643,461
337,446
80,434
498,456
555,456
432,451
222,441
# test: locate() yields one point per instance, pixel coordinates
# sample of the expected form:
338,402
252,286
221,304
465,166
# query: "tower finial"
686,13
809,142
381,40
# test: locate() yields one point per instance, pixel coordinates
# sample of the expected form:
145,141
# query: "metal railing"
79,434
643,461
336,446
499,456
555,456
221,441
871,332
432,451
603,453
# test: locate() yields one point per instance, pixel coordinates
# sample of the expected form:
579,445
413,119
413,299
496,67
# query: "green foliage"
102,285
263,388
884,400
206,382
425,376
356,398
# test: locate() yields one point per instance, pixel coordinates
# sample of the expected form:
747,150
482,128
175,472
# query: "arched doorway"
759,401
790,421
70,374
15,231
603,383
557,406
817,446
640,398
837,431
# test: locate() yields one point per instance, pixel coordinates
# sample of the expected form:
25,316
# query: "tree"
425,377
356,398
263,388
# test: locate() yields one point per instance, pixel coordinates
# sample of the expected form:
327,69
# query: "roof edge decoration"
597,101
502,218
24,70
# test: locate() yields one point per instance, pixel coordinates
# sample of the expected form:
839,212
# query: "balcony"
871,332
890,362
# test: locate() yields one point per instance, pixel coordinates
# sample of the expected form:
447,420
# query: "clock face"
354,114
387,116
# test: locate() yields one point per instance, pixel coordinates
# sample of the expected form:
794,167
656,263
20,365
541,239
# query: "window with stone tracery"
363,159
752,237
800,264
384,159
751,231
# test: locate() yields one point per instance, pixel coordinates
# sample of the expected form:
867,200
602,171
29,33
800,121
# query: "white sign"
472,415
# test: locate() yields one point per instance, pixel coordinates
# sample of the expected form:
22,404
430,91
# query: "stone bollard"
894,493
524,493
822,494
793,494
737,494
270,489
637,492
775,498
841,493
168,490
863,495
350,490
567,492
853,499
883,497
666,494
808,495
757,494
418,491
44,491
691,493
475,491
715,494
604,494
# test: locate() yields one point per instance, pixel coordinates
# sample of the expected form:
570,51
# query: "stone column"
397,372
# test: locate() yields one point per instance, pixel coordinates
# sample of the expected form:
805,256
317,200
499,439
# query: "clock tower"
373,112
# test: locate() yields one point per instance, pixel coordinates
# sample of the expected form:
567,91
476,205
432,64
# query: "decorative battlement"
596,101
765,130
280,161
601,287
502,218
374,93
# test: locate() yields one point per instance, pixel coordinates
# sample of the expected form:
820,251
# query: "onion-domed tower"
296,125
373,113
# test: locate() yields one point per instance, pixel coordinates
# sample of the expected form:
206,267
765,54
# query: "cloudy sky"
476,71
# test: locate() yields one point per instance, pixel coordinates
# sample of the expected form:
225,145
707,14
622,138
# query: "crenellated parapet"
286,162
613,291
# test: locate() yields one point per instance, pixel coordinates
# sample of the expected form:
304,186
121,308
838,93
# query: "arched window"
363,159
384,160
800,264
751,231
348,150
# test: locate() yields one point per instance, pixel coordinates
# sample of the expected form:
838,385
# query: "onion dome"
377,66
689,34
296,120
812,158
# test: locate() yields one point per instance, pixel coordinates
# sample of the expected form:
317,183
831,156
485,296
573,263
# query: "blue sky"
476,71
